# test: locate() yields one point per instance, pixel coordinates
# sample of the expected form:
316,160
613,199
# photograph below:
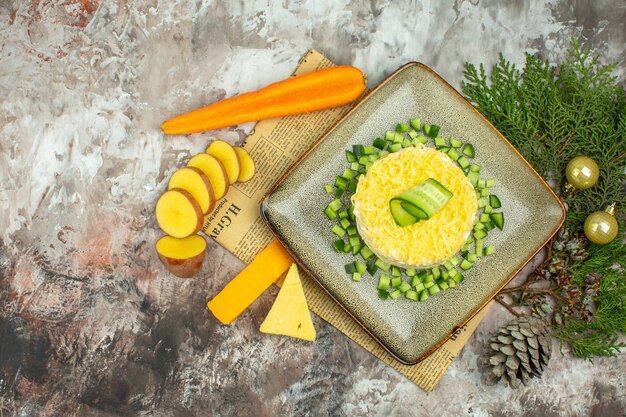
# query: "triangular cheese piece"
290,314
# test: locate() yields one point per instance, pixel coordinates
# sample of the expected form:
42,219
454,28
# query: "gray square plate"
410,330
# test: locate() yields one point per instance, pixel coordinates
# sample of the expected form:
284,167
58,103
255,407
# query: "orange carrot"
317,90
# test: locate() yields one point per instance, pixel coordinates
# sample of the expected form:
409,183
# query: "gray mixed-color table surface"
91,325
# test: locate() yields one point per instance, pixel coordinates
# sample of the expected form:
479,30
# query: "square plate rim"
301,264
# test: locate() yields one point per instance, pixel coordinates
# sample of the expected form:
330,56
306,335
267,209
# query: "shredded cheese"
427,242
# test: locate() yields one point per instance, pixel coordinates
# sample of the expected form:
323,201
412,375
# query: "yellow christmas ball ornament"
581,172
601,226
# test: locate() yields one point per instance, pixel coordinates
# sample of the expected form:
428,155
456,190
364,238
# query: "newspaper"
235,223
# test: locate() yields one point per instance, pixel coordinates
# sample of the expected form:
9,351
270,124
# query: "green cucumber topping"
419,203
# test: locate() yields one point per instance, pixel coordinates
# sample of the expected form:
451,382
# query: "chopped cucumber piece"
479,247
384,281
415,280
351,230
406,143
357,150
422,138
351,213
494,201
480,234
350,268
382,153
398,138
354,241
488,209
339,192
482,184
410,272
443,285
491,183
456,143
471,257
355,166
479,226
429,284
436,272
459,278
412,134
467,247
463,162
484,192
350,156
434,289
465,265
360,267
454,261
338,245
396,281
427,129
473,177
380,143
489,250
368,150
366,252
382,265
411,295
395,271
395,294
356,276
330,213
419,287
347,174
383,294
448,265
390,135
345,223
428,278
474,168
346,247
484,218
341,183
498,219
364,159
451,283
404,287
454,154
351,187
433,131
482,202
440,142
329,188
424,295
444,274
395,147
338,230
371,266
401,127
416,124
468,150
452,273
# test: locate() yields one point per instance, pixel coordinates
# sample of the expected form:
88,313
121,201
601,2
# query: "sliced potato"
197,184
178,213
215,172
246,163
225,153
182,257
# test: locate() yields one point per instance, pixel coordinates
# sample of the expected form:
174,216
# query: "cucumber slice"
498,219
402,217
428,198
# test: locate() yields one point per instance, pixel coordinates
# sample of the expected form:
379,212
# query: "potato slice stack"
191,194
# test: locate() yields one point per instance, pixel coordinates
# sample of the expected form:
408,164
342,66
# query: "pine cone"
519,350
